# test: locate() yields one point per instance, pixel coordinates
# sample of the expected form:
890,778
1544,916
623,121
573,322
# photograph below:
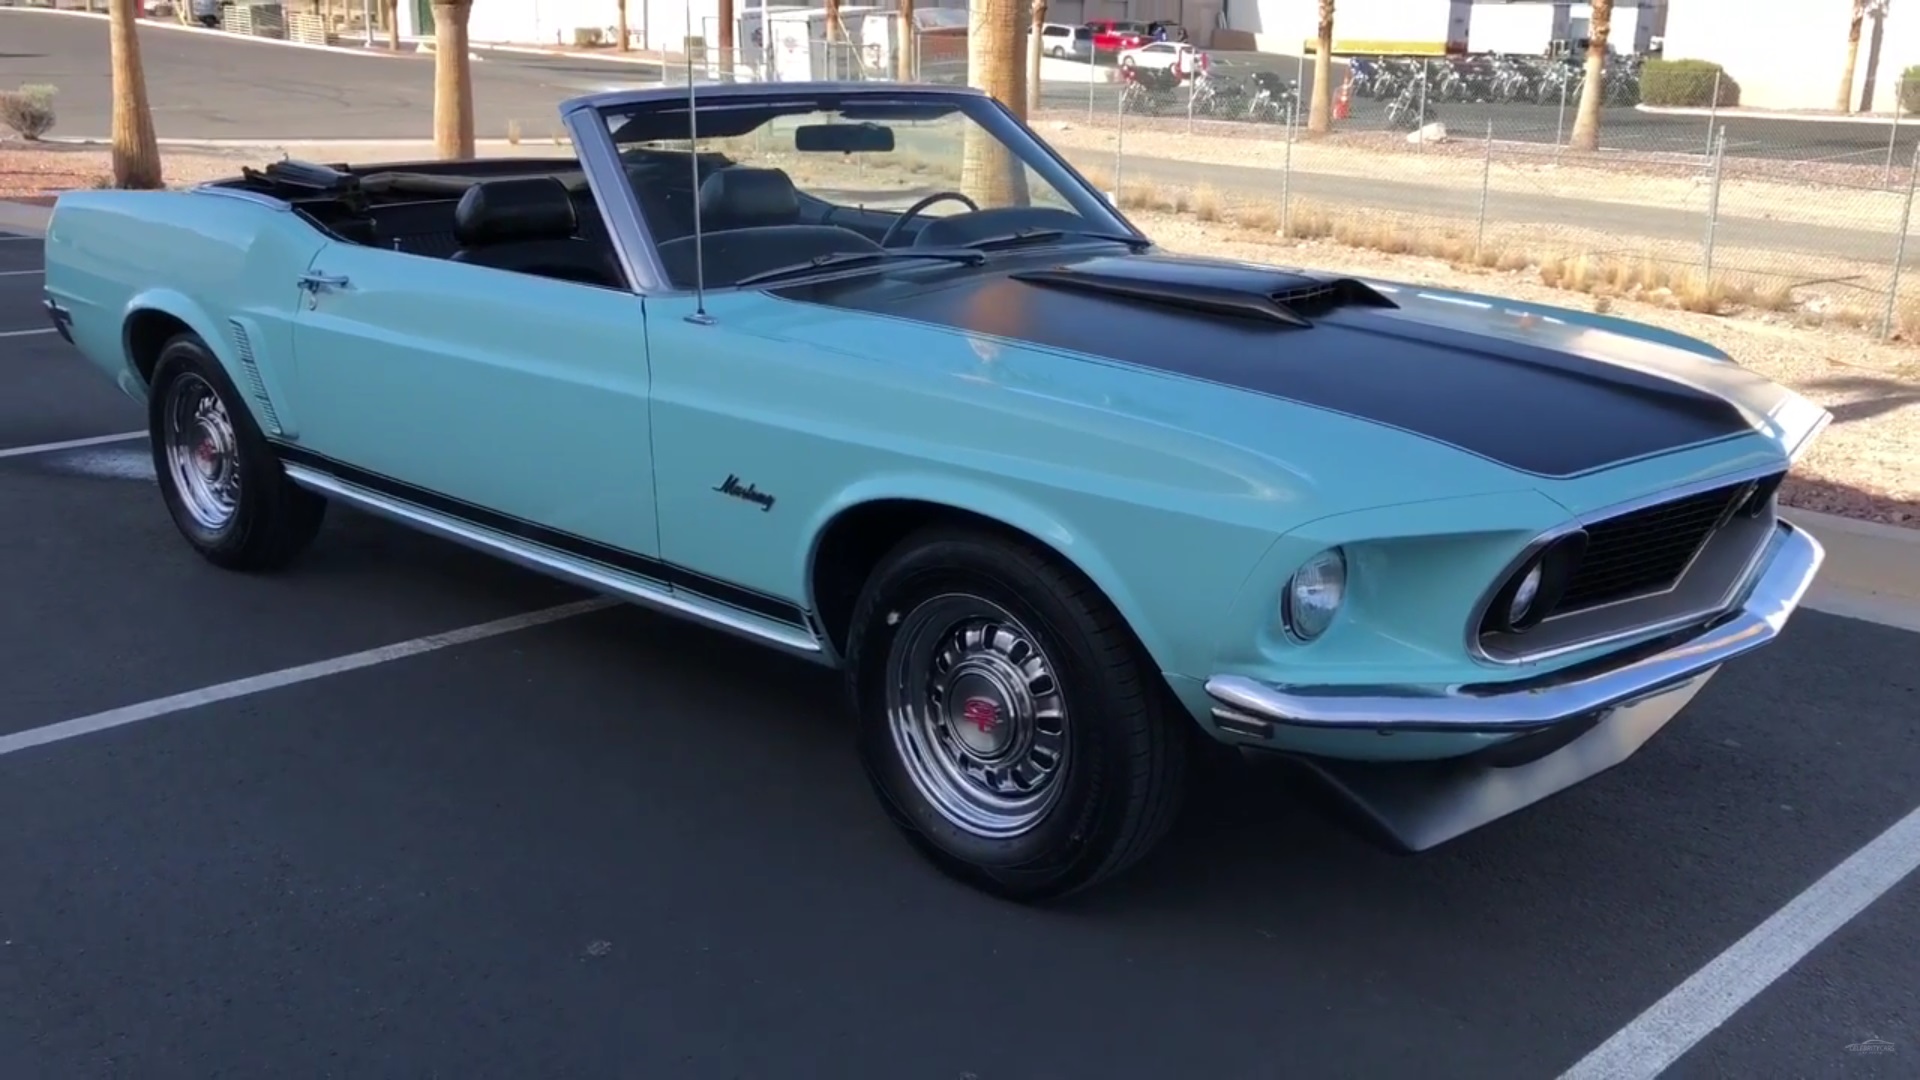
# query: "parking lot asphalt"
619,845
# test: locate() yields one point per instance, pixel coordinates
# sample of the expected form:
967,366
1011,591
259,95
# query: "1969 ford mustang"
869,374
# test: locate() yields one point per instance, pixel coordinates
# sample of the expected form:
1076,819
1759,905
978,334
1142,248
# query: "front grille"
1645,551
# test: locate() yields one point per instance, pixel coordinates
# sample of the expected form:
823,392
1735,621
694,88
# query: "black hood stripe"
1535,409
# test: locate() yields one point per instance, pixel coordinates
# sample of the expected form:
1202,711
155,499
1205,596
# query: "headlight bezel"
1299,627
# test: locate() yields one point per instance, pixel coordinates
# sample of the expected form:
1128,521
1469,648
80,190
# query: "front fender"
1169,627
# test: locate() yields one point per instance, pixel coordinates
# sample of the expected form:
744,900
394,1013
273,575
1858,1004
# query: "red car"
1113,35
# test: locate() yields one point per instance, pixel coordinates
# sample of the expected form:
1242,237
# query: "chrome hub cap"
203,457
977,715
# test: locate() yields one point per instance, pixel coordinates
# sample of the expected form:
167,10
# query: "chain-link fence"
1482,162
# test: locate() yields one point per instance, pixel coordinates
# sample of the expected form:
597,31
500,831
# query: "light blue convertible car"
869,374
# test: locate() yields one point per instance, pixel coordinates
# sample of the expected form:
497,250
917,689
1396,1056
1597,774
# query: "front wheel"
221,480
1008,720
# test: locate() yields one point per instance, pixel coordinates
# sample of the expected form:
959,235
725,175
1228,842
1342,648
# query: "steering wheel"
893,230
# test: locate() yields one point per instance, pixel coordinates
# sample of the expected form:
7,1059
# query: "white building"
1433,27
1789,56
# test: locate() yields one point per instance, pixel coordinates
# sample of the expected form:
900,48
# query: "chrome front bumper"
1251,710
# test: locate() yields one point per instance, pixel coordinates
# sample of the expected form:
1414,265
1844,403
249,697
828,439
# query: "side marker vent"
243,347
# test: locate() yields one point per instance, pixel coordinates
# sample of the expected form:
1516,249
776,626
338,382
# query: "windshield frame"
591,120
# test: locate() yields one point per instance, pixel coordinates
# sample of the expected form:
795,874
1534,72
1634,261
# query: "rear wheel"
220,478
1009,722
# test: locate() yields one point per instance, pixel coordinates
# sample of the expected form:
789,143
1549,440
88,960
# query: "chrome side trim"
554,564
1479,611
212,187
1794,559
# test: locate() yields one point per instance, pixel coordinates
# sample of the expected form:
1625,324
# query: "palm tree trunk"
136,154
1586,123
1034,42
452,80
621,29
989,175
391,9
726,19
1844,97
1320,111
903,63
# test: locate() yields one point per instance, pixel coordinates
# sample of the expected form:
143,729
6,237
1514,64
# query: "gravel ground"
1861,468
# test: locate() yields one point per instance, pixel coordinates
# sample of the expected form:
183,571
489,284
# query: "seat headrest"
515,209
744,197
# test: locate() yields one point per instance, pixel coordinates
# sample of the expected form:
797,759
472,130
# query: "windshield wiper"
861,258
1035,235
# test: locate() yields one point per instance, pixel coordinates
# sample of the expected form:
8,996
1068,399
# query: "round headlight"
1524,595
1314,594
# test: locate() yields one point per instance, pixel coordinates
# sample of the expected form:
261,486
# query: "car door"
493,393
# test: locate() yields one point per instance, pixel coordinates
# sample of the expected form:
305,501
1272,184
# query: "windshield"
788,182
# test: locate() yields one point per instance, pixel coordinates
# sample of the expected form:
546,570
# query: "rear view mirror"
843,139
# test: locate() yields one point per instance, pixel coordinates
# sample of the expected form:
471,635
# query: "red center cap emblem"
982,713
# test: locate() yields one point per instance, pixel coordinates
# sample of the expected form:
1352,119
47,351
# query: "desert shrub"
1910,89
28,110
1687,83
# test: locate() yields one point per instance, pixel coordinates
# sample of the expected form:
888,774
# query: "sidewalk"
1800,116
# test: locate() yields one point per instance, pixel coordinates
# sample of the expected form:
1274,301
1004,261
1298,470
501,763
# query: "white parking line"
27,333
1658,1037
273,680
70,444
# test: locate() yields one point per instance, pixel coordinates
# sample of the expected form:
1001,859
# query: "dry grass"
1644,277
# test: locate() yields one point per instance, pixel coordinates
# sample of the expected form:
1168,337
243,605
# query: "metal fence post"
1900,248
1486,185
1093,69
1286,172
1560,126
1119,134
1713,197
1421,142
1190,85
1893,133
1713,113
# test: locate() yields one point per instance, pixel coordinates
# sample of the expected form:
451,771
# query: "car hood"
1545,396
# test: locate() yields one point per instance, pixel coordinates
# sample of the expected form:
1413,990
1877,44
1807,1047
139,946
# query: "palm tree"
136,154
1586,123
1034,41
1861,9
621,29
390,13
452,80
726,20
903,63
1320,111
989,175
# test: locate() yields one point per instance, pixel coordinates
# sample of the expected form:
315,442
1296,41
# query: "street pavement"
617,845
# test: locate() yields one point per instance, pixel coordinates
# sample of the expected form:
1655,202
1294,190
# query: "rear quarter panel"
202,259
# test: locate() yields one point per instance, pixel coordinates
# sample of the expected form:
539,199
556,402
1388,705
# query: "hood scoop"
1280,297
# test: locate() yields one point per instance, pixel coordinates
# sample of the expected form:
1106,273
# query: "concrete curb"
160,24
1873,119
1872,571
535,50
24,217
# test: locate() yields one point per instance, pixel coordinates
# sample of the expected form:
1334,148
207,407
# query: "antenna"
699,316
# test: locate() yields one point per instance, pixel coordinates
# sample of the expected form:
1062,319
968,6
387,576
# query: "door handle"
315,282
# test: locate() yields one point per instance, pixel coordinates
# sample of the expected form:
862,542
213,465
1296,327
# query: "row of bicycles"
1495,78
